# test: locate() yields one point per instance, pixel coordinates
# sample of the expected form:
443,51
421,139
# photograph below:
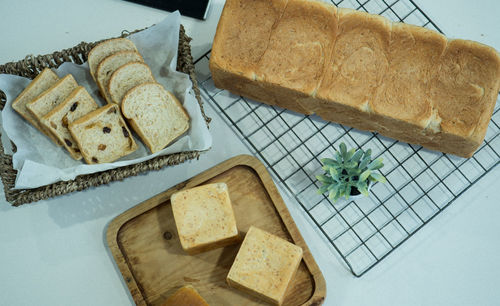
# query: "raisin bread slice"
57,120
41,83
103,135
105,49
52,97
155,114
126,77
109,65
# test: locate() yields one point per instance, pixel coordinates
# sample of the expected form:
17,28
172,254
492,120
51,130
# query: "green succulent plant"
349,171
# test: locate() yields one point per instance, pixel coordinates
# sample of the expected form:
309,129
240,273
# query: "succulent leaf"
365,175
324,179
378,177
349,154
323,189
337,197
334,174
376,164
357,156
333,193
347,191
343,150
354,171
364,162
332,186
350,164
329,162
338,157
368,153
363,188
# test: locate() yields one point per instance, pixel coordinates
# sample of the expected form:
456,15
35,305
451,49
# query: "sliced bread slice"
155,114
126,77
103,135
52,97
57,120
105,49
41,83
110,64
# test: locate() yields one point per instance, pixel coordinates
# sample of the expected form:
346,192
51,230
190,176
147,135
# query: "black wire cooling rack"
420,183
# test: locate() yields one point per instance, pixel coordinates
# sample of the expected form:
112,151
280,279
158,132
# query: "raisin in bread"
52,97
126,77
105,49
109,65
155,114
57,120
102,135
41,83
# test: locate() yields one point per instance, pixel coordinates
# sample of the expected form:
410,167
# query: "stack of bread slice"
125,79
69,116
41,83
59,108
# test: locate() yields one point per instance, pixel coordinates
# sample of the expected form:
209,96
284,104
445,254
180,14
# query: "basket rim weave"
29,67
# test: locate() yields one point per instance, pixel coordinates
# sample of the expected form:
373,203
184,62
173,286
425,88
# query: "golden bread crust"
358,69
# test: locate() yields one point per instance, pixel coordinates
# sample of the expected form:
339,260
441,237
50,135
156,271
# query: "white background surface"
54,252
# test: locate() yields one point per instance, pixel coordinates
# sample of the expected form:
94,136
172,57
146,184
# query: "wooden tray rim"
116,224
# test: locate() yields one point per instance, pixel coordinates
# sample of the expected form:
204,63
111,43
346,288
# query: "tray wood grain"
145,245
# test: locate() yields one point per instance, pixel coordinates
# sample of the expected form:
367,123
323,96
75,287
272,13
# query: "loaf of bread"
102,135
77,104
358,69
155,115
109,65
43,81
105,49
126,77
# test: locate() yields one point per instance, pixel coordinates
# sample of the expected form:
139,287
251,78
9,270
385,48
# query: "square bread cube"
264,266
204,218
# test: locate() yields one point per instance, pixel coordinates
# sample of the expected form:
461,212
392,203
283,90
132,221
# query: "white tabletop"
54,252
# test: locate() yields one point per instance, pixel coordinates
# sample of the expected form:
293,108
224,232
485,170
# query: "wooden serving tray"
145,245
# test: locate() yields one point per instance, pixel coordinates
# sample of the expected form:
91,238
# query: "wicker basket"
30,67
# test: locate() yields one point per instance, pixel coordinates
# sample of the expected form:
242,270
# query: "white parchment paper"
40,162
